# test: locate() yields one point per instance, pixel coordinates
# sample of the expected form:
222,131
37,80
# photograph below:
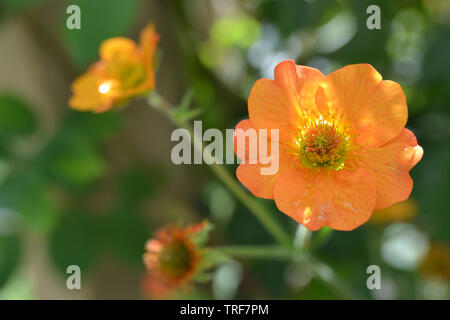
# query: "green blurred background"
90,189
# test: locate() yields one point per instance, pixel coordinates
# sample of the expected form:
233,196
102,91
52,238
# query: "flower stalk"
321,270
302,237
265,217
257,252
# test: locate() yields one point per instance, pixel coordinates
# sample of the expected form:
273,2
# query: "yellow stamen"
322,143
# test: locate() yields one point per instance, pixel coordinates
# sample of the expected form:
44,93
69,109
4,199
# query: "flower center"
323,144
133,76
130,74
175,259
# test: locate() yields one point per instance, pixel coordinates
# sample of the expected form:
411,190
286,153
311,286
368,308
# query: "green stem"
302,237
265,217
257,252
321,270
256,208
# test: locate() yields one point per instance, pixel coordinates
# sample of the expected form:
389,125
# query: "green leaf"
137,184
126,233
211,258
27,194
187,99
183,115
94,126
16,117
201,238
321,237
240,30
73,161
75,241
203,277
10,251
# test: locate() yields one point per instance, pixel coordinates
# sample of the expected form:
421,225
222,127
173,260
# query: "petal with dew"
342,200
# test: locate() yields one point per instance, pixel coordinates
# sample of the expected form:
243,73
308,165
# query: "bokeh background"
90,189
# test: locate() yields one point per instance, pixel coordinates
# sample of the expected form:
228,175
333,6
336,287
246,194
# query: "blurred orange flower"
154,288
399,212
173,256
437,262
344,149
124,70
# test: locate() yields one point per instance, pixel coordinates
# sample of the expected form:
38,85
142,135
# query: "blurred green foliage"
11,6
104,19
16,117
9,257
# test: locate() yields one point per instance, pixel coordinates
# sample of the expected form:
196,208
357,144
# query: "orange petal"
250,176
390,164
377,108
148,41
268,107
342,200
86,95
241,149
275,104
116,50
251,171
299,84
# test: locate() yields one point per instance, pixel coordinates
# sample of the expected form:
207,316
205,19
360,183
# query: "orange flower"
124,70
154,288
401,211
173,255
343,150
437,262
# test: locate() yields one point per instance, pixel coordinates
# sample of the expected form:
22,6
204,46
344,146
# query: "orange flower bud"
173,255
